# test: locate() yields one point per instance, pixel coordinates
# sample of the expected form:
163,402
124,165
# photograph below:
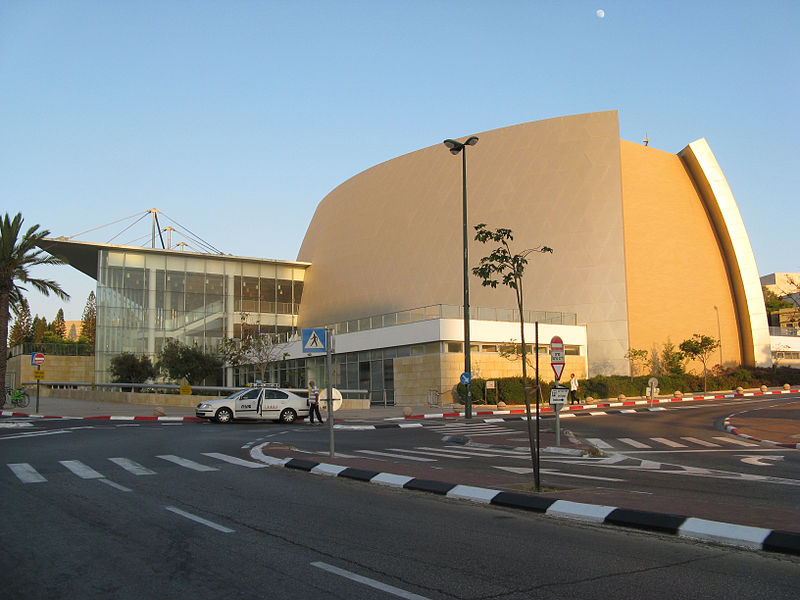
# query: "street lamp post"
455,148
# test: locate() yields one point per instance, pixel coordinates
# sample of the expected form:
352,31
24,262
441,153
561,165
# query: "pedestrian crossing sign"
314,340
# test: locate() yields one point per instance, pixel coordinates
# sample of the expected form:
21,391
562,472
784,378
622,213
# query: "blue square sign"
314,340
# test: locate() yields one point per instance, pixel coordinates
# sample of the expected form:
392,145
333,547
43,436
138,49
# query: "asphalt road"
163,510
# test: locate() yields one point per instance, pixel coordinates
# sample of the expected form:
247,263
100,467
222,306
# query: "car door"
247,405
274,402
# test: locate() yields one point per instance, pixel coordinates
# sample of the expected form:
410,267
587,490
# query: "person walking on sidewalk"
573,389
313,402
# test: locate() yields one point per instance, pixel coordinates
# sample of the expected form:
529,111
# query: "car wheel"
224,415
288,415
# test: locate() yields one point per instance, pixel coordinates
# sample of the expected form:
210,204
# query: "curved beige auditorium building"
649,246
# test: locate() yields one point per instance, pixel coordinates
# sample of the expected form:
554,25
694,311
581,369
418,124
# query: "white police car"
255,403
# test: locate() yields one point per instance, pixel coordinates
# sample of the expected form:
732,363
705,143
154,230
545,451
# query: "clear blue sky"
235,118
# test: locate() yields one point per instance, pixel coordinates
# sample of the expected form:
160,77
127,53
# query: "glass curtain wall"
146,298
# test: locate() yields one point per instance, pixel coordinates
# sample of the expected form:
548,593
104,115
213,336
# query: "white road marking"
131,466
389,589
615,458
649,464
594,477
81,470
493,451
701,442
26,473
667,442
33,434
441,454
633,443
200,520
235,461
184,462
599,443
735,441
115,485
417,458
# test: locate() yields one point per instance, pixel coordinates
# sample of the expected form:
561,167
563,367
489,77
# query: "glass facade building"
146,297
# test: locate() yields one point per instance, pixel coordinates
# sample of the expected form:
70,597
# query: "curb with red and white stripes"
728,534
8,413
731,429
622,403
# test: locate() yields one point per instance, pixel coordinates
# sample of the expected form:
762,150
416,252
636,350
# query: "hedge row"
510,389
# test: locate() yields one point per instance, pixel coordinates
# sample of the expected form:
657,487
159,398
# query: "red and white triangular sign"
557,356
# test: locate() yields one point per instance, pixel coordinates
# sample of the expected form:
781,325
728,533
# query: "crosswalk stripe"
184,462
701,442
634,443
26,473
235,461
735,441
667,442
387,454
131,466
81,470
598,443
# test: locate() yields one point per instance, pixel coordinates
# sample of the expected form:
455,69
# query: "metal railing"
53,348
204,390
448,311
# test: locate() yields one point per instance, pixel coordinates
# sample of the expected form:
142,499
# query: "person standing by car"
573,389
313,402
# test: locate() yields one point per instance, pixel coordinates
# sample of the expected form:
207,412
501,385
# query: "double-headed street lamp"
456,147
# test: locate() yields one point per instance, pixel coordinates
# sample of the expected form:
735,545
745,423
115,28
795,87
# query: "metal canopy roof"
83,255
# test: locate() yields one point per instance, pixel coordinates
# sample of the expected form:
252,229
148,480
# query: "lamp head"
453,145
471,141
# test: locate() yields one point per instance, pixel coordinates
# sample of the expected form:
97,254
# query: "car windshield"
238,393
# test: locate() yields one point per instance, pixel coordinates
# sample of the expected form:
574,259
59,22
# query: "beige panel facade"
56,369
677,277
390,238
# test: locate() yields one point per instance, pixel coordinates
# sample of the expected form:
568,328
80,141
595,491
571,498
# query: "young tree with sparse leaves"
19,252
700,347
640,361
260,350
502,266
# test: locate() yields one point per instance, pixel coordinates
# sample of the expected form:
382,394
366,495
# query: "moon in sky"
600,13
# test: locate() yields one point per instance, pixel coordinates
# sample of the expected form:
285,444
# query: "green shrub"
510,389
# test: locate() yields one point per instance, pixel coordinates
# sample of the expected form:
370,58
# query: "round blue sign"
466,378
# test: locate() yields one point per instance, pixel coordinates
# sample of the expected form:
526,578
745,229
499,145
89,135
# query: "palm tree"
17,256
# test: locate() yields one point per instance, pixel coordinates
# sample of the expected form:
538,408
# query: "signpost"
653,389
318,340
37,358
558,393
558,397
